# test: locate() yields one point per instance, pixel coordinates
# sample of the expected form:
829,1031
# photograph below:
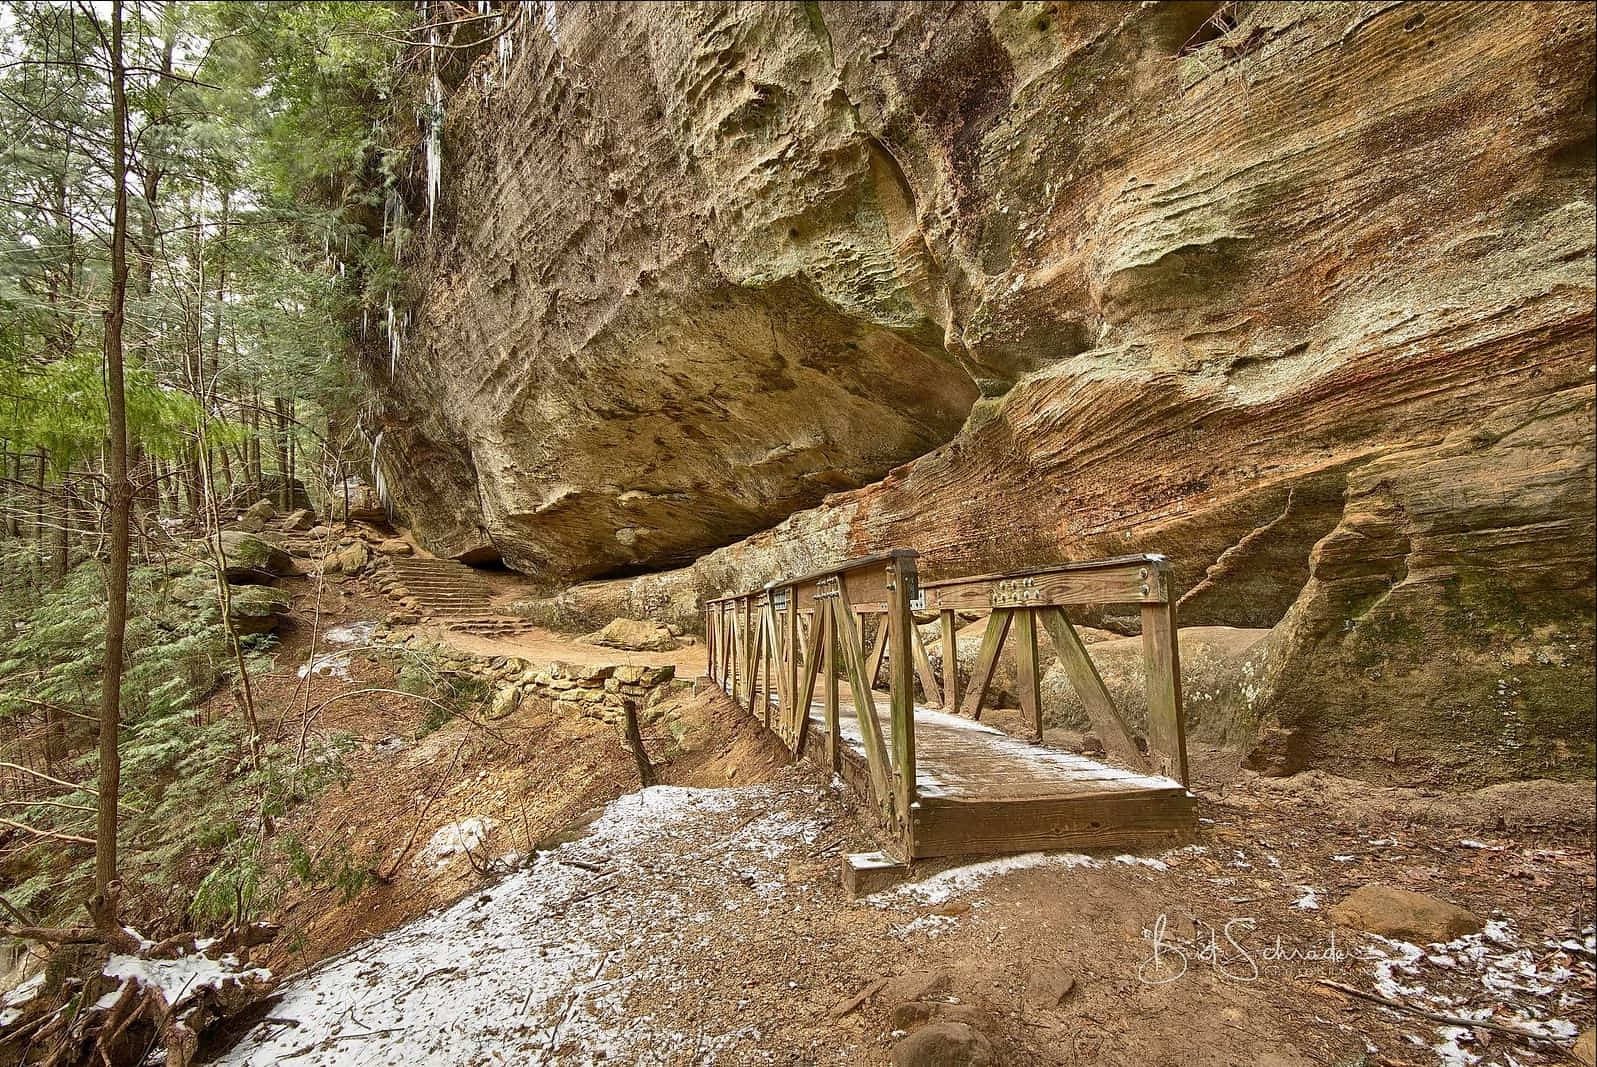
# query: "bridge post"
902,585
1167,734
950,622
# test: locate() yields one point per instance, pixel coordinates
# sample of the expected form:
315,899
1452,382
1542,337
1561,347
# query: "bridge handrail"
779,641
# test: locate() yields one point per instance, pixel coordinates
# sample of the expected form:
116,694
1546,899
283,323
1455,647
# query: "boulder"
257,609
320,531
1585,1050
393,546
634,635
261,509
251,558
944,1044
1408,916
298,520
347,560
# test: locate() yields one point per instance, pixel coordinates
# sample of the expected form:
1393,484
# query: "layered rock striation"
1300,295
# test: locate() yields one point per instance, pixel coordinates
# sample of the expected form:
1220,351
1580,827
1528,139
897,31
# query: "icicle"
506,50
379,483
435,145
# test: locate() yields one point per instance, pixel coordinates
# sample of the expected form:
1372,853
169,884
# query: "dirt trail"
708,926
540,645
703,922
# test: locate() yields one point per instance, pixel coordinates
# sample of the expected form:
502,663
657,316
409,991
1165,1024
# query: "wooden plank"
923,670
958,827
873,665
826,637
981,676
1167,729
1027,676
756,666
735,652
794,712
806,689
950,642
776,669
1135,581
899,626
1118,740
848,639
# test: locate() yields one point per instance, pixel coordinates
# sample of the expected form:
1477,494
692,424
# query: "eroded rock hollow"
1300,295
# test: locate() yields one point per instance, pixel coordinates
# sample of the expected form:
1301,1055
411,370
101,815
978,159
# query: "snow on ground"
1489,976
467,835
336,664
178,978
545,958
355,633
588,953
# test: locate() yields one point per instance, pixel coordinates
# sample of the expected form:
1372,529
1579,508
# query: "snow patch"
467,835
180,977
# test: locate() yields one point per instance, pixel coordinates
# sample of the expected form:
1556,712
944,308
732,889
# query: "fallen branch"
404,851
49,778
53,834
853,1003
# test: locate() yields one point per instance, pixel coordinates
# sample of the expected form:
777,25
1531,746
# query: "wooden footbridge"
806,656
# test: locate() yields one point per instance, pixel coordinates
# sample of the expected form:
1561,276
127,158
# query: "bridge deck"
983,791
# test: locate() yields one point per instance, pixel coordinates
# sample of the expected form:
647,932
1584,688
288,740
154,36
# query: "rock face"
1303,301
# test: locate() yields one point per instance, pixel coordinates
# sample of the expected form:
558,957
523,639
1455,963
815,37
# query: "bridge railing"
1020,604
772,648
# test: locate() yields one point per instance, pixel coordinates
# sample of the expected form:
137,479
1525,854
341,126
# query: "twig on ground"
1440,1016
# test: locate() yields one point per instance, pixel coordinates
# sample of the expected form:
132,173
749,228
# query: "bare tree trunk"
120,489
62,531
280,439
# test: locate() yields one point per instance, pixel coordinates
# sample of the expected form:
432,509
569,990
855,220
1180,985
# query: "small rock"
298,520
347,560
250,523
505,701
916,1013
916,985
320,531
1585,1049
1276,754
394,547
1392,912
944,1044
263,509
1047,986
402,617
